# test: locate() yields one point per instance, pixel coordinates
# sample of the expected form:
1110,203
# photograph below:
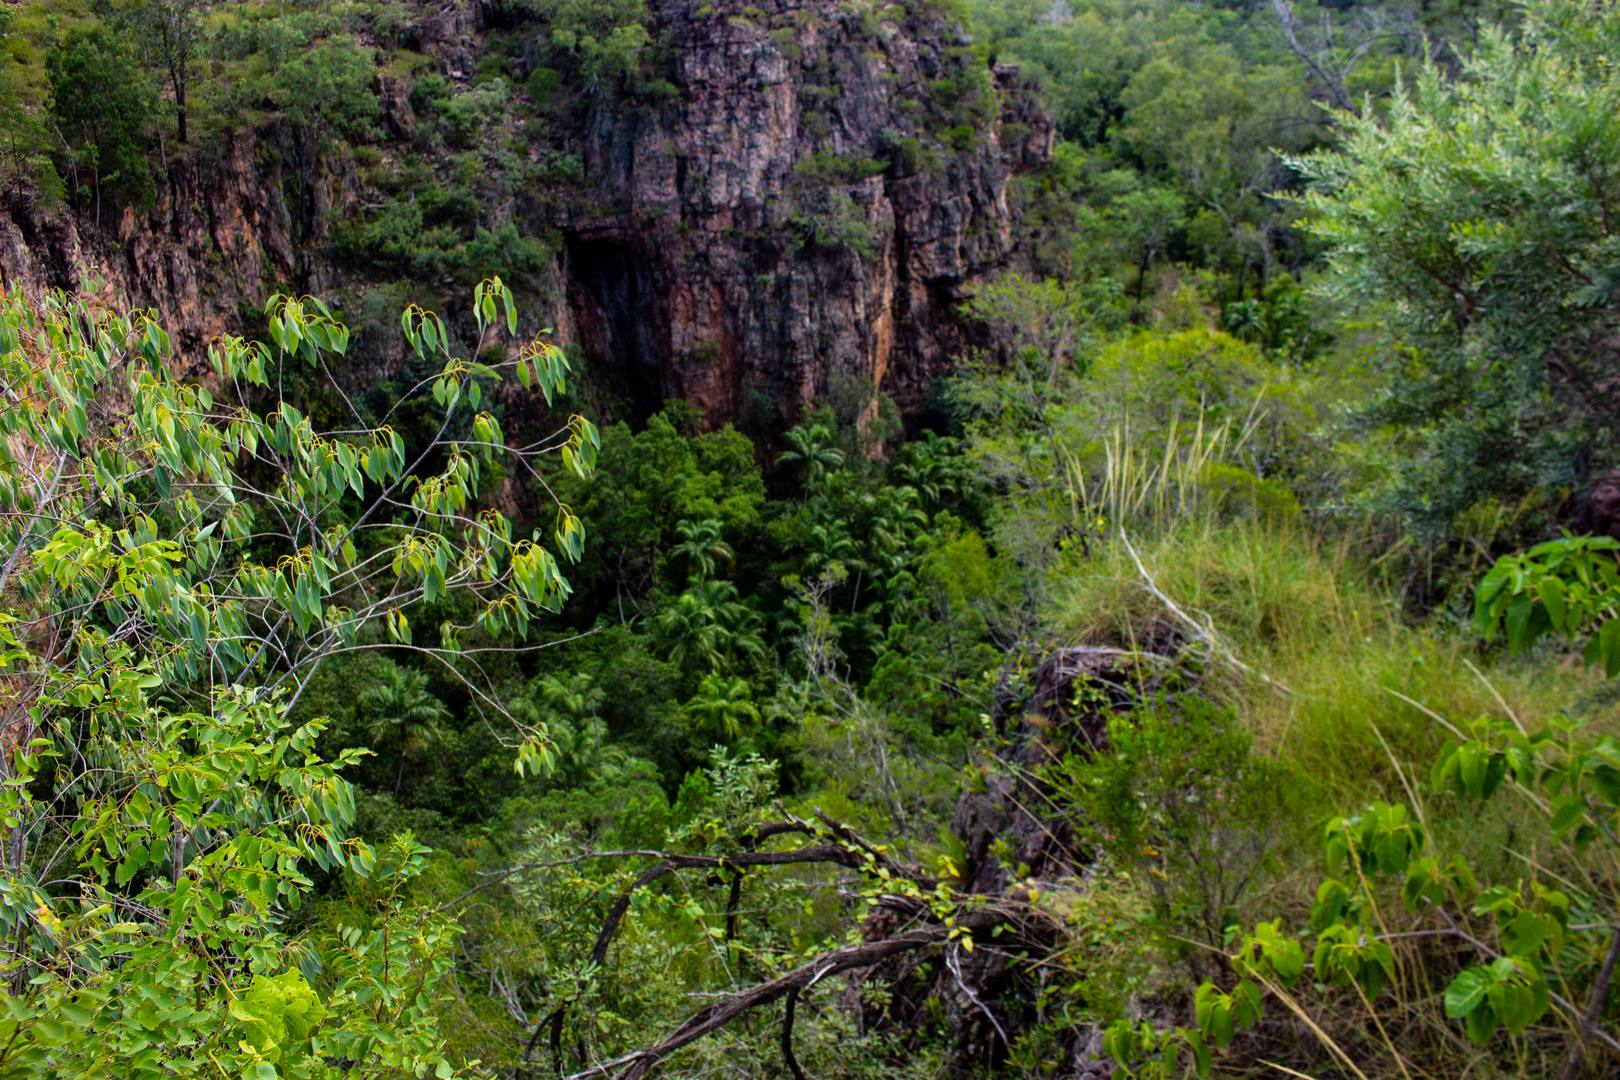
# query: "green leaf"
1481,1023
1202,1061
1609,635
1518,618
1119,1042
1553,593
1567,812
1524,935
1465,993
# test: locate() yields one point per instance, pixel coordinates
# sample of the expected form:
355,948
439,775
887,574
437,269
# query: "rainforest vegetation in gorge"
1213,676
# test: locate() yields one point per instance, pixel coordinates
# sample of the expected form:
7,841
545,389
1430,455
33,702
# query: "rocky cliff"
803,202
731,265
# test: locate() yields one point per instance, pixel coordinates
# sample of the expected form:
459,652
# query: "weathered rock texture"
727,244
716,272
1043,728
218,242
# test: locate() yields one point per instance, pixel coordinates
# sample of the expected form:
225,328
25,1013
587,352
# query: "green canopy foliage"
1475,223
105,106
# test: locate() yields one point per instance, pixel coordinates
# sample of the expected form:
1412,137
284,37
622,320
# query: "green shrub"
836,221
469,114
913,157
491,68
1178,796
437,234
828,168
784,40
430,91
541,85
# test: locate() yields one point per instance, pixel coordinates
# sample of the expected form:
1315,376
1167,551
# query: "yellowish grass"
1335,645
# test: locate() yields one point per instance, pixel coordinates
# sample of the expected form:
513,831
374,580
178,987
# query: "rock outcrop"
805,203
728,266
215,245
1045,723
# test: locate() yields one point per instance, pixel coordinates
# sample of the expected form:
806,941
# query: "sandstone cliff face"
722,273
789,217
218,242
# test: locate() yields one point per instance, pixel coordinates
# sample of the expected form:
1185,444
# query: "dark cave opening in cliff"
622,321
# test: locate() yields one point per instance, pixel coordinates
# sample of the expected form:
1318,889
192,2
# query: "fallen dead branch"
972,916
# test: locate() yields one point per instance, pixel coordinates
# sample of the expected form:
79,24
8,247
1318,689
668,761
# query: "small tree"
1481,214
570,712
701,547
1139,225
103,106
182,565
812,447
723,705
326,93
401,710
168,33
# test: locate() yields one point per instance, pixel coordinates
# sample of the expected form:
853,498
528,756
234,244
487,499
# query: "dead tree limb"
788,1058
838,854
733,901
847,849
716,1015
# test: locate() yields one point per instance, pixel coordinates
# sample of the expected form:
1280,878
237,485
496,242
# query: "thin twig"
1203,633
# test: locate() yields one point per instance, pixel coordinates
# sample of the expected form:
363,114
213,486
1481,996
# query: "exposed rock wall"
699,258
704,277
217,240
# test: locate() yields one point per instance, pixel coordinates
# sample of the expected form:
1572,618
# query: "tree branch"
851,853
787,1035
718,1014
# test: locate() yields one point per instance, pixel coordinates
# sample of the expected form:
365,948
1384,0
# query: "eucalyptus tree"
169,34
177,566
1480,219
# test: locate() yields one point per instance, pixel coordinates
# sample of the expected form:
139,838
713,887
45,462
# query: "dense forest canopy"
1212,675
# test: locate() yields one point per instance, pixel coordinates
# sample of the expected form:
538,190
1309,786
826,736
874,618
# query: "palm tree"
399,708
723,704
895,526
571,714
829,544
1246,319
813,447
701,546
707,623
927,465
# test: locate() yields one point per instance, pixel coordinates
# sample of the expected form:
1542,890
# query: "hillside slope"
777,201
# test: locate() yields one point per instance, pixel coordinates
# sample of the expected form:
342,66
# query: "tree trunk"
1594,1009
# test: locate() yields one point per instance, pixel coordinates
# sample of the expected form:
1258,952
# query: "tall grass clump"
1338,680
1178,458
